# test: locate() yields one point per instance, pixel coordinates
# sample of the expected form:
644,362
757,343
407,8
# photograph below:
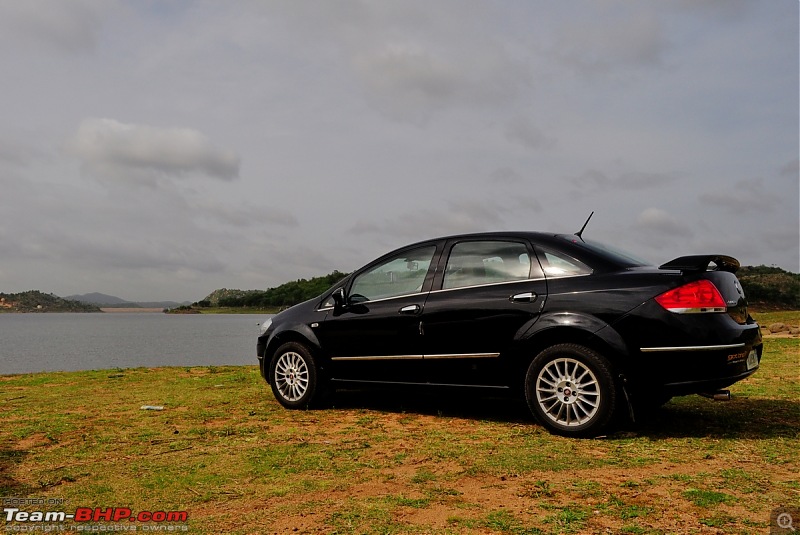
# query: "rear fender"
581,328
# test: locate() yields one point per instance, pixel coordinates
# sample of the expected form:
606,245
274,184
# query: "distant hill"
111,301
36,301
286,294
99,299
770,287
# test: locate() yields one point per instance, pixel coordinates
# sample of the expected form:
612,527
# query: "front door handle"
410,309
527,297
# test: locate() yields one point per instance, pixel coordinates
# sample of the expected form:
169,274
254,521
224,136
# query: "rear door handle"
527,297
410,309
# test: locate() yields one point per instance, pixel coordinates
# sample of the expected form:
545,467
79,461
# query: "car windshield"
619,256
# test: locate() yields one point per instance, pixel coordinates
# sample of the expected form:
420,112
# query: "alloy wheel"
568,392
291,376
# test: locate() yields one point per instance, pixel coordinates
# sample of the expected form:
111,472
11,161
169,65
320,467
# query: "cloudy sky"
160,150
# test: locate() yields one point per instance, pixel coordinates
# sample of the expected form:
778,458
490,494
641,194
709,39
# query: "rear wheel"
294,376
571,391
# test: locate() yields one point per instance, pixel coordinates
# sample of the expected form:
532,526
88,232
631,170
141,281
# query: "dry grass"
378,462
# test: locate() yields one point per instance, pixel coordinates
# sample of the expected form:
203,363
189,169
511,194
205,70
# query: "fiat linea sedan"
582,330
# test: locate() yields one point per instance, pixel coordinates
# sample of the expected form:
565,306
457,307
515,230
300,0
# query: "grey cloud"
593,181
660,222
522,131
744,196
458,217
593,44
109,149
414,78
505,175
20,153
791,169
73,26
406,83
245,215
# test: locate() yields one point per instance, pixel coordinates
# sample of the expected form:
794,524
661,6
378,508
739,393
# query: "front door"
376,336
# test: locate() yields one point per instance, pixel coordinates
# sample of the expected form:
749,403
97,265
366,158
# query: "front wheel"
294,376
571,391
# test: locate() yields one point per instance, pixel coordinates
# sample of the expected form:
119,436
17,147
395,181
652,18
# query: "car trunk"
731,290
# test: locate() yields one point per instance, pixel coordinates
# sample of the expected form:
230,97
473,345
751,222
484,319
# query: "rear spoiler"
701,263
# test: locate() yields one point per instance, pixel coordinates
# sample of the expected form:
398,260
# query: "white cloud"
109,150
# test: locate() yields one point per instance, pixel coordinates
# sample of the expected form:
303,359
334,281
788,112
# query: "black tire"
570,389
294,376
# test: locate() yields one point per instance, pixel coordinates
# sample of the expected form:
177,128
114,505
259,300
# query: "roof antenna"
578,234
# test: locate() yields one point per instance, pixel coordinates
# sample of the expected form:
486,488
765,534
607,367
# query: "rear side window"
557,264
474,263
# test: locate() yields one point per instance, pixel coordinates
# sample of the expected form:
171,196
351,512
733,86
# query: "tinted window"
486,262
614,254
400,275
557,264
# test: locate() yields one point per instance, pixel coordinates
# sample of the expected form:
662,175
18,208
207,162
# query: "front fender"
297,332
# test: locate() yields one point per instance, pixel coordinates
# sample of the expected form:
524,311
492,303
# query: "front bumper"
261,348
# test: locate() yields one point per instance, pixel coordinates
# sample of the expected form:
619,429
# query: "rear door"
486,293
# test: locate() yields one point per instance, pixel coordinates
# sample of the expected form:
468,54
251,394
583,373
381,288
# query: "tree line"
285,295
763,285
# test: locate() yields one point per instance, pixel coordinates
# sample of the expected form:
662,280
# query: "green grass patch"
225,451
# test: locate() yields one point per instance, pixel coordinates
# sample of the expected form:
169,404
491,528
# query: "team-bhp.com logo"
87,514
99,519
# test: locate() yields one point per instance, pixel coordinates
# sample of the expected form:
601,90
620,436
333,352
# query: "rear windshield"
614,254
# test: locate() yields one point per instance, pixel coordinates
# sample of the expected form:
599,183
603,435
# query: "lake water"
73,341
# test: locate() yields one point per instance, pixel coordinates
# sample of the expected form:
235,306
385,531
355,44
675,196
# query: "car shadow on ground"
741,418
688,416
447,403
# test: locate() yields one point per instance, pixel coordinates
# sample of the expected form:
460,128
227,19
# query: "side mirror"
339,298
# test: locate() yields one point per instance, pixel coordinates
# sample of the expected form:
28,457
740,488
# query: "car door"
486,293
376,336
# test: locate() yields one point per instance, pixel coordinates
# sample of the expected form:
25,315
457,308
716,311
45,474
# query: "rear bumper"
688,353
694,369
708,385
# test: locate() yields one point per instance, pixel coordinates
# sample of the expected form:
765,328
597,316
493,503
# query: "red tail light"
697,296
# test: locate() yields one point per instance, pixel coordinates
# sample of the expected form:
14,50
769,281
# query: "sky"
161,150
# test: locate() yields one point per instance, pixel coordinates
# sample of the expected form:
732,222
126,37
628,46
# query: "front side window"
403,274
474,263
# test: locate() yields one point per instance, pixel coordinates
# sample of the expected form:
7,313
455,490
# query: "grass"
377,462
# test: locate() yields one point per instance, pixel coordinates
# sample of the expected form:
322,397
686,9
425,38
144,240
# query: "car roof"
567,243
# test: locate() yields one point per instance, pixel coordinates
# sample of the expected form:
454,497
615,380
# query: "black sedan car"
582,330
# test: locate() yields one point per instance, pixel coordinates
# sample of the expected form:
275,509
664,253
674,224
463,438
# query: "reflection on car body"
580,329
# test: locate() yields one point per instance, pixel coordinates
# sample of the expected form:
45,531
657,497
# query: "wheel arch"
302,335
571,328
